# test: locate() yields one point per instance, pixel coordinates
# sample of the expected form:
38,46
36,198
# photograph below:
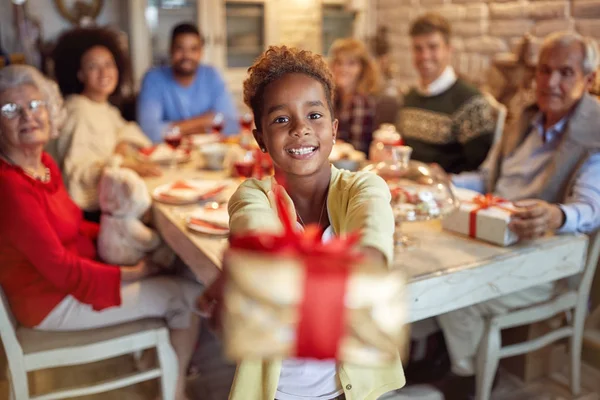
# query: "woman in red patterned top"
356,81
48,266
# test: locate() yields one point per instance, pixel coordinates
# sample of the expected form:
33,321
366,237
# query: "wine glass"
218,123
172,137
246,121
245,164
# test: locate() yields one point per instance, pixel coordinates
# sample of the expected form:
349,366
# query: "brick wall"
300,23
483,29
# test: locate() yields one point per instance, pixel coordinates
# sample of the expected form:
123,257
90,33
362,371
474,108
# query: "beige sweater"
86,144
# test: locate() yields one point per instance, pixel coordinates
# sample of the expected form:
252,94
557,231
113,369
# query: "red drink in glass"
246,122
218,127
173,141
244,168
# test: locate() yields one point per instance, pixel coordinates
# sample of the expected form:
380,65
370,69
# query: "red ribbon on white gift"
483,202
322,311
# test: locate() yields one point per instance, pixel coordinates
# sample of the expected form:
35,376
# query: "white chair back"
592,259
8,326
501,112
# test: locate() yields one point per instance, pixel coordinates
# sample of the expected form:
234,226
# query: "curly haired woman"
90,69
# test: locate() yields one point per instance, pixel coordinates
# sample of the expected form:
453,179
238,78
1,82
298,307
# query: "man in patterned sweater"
445,120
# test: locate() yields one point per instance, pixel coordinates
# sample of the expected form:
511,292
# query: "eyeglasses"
13,110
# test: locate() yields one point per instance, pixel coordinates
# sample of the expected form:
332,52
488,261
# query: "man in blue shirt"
186,95
548,163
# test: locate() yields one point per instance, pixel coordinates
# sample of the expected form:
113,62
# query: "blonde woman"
357,81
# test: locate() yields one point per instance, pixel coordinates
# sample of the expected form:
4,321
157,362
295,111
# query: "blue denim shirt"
163,100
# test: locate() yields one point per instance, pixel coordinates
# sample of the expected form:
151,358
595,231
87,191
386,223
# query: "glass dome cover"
419,193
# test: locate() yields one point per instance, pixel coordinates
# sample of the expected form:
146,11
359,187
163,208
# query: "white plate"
163,154
198,190
218,217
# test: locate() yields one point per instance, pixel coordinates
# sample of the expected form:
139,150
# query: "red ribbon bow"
327,265
483,202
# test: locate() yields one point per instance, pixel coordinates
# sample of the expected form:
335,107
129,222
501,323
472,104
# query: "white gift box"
491,224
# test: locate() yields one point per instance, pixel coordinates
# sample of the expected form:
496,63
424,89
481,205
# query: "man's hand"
534,218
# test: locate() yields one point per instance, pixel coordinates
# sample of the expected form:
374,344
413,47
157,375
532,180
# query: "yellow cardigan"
357,201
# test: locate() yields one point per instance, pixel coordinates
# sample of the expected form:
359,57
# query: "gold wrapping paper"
261,310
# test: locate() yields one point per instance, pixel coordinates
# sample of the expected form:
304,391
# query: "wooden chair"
29,350
572,301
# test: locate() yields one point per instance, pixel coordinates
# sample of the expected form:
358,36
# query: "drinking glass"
218,123
244,165
172,137
246,121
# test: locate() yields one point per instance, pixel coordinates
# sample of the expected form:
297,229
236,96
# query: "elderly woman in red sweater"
48,266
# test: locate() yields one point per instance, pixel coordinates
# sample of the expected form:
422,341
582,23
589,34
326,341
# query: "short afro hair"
73,44
278,61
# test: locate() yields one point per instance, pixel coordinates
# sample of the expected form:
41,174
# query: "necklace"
320,215
42,178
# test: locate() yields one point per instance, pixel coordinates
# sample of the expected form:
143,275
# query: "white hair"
14,76
591,56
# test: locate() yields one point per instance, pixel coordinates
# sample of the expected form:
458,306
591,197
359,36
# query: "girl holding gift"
290,92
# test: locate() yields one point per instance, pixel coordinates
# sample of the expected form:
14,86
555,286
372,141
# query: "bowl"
214,155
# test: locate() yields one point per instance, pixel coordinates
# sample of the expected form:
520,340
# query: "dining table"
444,272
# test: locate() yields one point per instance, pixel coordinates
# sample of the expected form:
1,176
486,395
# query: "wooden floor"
215,375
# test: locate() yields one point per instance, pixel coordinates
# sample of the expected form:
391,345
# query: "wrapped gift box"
290,296
483,217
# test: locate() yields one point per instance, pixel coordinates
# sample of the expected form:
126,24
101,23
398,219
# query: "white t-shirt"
304,379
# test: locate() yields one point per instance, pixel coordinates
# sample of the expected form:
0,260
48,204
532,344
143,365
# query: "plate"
163,154
189,191
212,222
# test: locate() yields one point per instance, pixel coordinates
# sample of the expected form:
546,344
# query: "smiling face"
29,129
560,79
431,55
346,69
297,127
186,53
98,73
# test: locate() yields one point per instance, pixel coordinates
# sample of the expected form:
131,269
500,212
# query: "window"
338,23
245,33
162,16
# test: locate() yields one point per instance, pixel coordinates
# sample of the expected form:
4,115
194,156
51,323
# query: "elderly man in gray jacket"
548,162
